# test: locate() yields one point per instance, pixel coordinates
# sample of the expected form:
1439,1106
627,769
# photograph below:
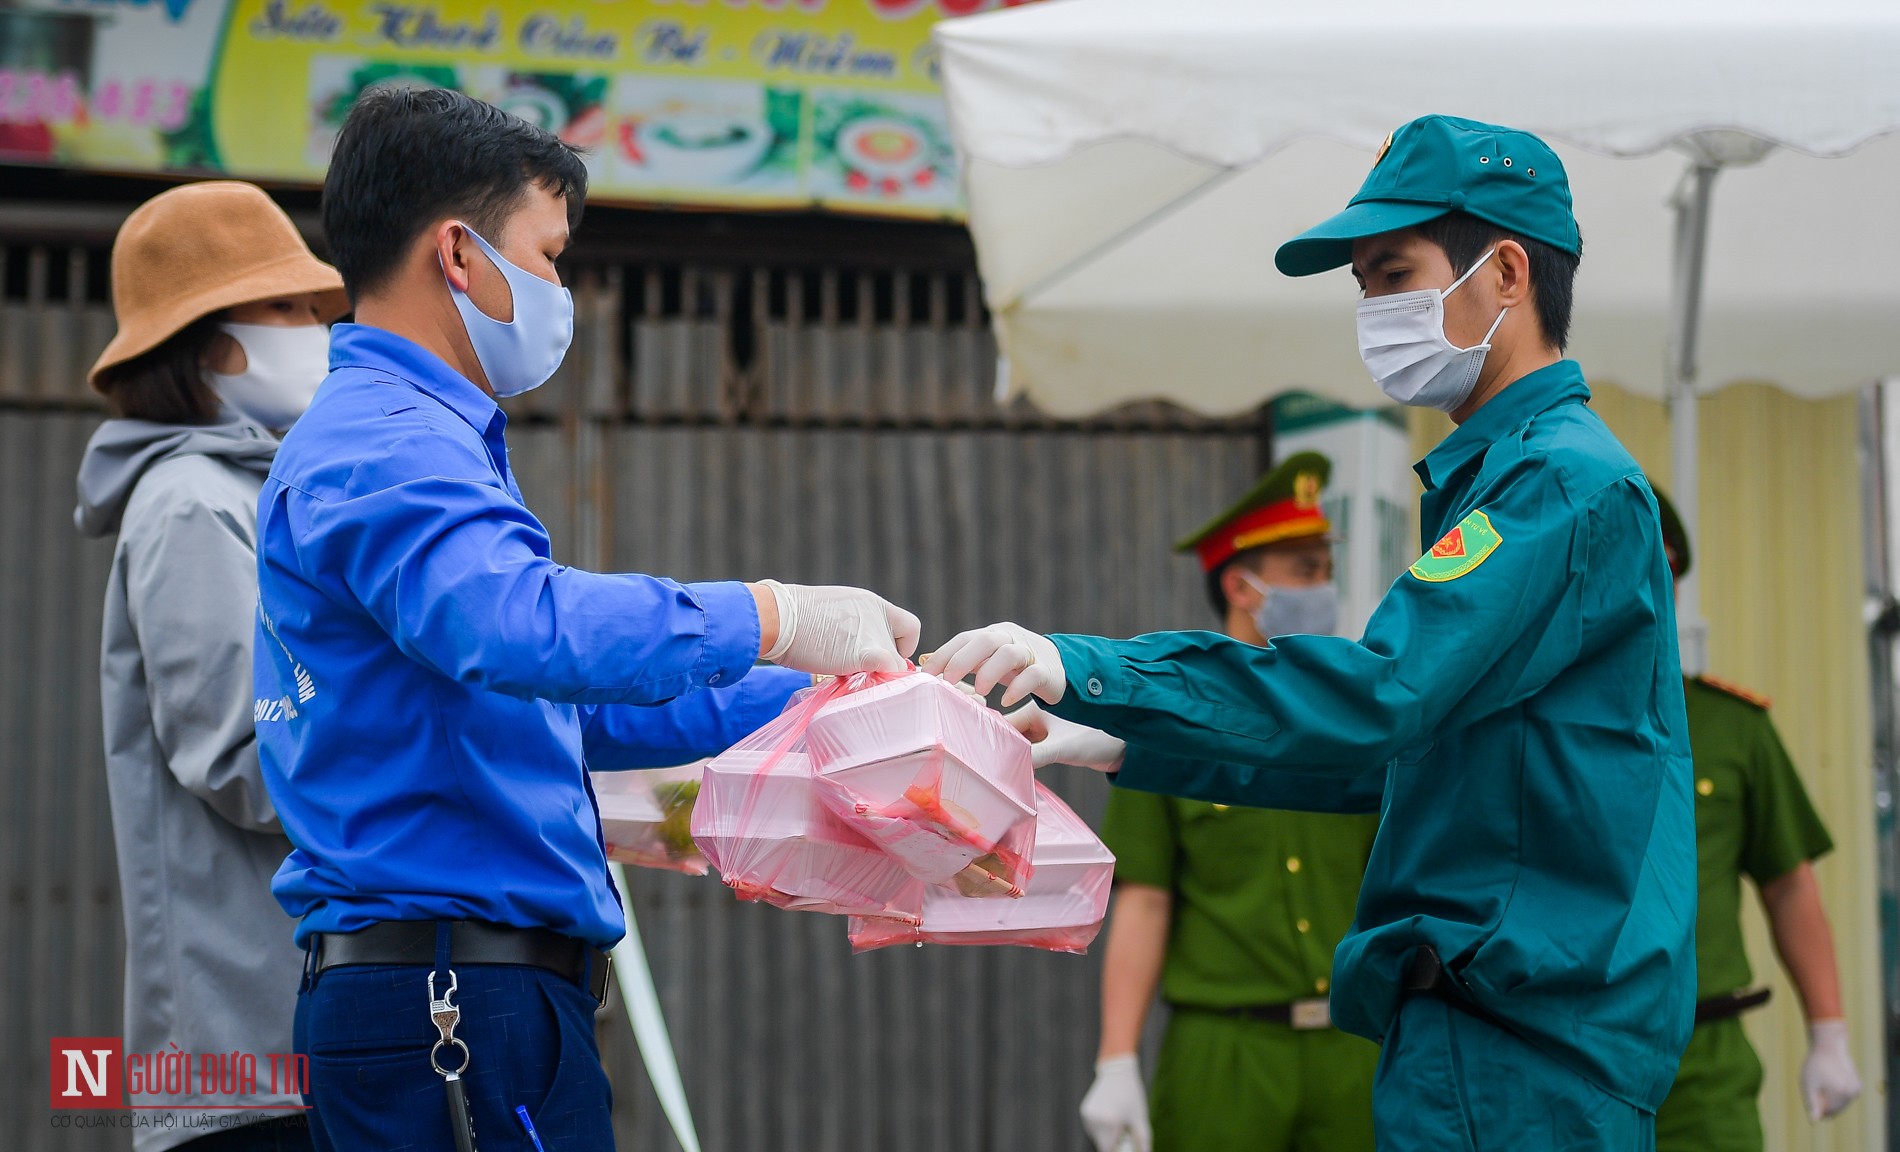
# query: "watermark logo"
88,1072
96,1072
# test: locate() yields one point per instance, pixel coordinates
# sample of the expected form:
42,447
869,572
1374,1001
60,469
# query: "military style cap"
1440,164
1675,536
1284,505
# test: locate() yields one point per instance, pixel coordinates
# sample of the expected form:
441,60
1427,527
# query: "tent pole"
1692,234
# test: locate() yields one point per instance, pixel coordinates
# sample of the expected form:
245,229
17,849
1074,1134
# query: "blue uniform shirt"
432,687
1521,690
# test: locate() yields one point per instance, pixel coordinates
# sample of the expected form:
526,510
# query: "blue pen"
527,1125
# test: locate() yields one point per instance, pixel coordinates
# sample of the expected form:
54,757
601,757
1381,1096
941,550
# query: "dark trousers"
289,1133
530,1034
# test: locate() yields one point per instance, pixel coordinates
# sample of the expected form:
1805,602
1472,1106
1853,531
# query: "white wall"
1369,500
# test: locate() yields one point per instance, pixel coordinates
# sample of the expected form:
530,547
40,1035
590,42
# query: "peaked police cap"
1283,505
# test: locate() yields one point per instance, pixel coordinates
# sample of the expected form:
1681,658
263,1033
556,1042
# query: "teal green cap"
1440,164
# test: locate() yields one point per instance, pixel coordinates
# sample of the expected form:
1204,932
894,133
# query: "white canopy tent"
1131,167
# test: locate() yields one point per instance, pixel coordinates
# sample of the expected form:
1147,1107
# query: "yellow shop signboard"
747,103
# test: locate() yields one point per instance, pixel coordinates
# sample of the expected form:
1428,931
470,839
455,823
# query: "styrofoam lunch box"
645,816
930,773
772,840
1062,909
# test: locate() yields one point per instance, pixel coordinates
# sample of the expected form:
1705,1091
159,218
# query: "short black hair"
1465,238
166,384
408,157
1216,596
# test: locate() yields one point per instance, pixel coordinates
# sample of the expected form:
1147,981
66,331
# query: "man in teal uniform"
1234,912
1523,946
1752,817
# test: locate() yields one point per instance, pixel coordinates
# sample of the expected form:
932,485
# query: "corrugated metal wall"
60,958
817,425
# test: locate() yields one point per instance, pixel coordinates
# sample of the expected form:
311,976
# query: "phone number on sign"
37,98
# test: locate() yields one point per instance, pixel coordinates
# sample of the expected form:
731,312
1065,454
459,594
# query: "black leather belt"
1733,1004
1310,1015
470,942
1425,975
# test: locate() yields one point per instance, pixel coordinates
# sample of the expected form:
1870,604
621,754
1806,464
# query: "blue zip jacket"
1521,688
432,687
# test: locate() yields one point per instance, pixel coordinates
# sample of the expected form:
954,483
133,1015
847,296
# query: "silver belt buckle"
1311,1015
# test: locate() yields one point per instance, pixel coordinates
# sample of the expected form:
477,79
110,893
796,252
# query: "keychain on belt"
446,1016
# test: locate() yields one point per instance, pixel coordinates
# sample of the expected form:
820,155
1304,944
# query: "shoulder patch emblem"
1459,551
1729,688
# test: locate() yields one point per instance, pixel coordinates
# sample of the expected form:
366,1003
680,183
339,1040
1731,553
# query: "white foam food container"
930,773
1061,910
644,816
772,840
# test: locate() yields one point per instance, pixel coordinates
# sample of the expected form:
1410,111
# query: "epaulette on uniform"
1728,688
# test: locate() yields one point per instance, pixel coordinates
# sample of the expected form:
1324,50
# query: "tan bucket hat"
197,249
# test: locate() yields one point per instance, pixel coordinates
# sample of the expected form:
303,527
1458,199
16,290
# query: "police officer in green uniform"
1753,818
1523,942
1234,911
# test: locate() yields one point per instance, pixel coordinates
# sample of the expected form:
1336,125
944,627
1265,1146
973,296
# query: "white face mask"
521,354
1402,340
282,368
1285,610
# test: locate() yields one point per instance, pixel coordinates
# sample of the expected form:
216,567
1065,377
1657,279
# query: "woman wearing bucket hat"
223,336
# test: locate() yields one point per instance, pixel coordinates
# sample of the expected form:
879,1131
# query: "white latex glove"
1006,654
1829,1081
1054,740
835,631
1116,1107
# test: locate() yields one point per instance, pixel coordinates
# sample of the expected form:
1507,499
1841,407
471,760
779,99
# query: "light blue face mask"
1290,611
520,355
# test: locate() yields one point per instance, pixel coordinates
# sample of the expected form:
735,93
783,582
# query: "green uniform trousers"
1449,1082
1224,1084
1713,1106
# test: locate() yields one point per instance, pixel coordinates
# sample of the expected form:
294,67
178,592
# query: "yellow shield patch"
1459,551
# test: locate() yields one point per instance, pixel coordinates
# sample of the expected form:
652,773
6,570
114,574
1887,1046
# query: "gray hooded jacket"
210,966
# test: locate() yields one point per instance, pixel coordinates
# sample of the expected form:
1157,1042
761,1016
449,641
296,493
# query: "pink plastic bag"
646,817
932,776
1061,912
760,823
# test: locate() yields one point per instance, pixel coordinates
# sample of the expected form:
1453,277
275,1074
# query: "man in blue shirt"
1523,946
432,687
